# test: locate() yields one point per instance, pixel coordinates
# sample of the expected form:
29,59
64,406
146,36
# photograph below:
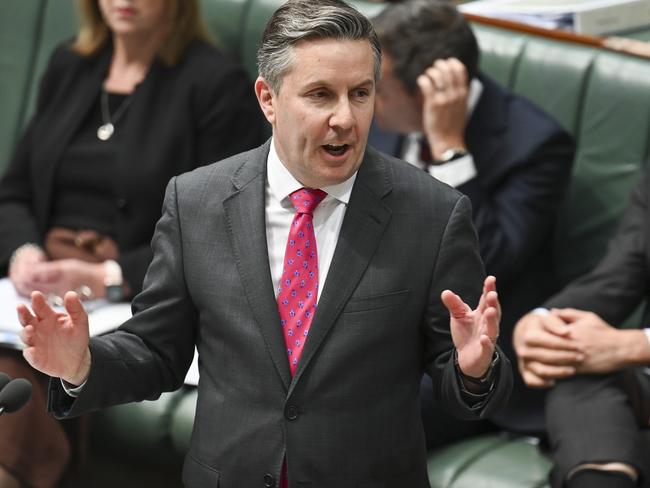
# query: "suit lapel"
245,214
365,221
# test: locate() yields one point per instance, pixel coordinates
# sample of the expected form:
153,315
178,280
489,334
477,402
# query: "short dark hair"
415,33
299,20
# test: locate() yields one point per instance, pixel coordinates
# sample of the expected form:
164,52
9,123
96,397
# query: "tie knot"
306,200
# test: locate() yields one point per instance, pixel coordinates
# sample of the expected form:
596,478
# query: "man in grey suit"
290,393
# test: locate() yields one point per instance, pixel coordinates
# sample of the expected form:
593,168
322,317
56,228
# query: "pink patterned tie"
298,289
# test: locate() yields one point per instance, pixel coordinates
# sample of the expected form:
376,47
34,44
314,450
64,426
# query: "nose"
342,117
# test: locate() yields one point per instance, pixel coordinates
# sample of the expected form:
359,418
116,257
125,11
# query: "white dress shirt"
328,217
458,171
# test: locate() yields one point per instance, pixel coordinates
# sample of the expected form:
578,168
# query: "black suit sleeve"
616,286
458,268
515,215
151,352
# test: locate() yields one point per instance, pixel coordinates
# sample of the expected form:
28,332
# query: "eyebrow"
326,84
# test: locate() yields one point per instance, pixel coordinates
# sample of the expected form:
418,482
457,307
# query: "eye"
361,93
318,94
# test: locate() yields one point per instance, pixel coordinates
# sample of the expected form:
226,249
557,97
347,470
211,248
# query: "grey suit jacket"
350,416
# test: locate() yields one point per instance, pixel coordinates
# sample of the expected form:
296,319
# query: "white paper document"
595,17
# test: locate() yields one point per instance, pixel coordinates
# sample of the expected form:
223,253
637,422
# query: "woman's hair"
186,26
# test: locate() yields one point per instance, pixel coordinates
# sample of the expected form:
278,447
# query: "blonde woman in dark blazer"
138,97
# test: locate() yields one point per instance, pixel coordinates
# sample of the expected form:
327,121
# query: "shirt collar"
282,183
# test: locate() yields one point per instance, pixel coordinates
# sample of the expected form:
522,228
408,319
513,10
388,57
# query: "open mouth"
336,150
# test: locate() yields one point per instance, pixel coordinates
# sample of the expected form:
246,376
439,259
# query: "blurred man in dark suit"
435,110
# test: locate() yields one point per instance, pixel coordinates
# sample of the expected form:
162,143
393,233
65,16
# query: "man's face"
395,109
322,113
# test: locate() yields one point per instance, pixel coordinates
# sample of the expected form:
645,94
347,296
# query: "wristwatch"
487,378
113,281
450,155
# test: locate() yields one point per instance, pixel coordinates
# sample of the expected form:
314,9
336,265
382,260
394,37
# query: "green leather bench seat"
602,98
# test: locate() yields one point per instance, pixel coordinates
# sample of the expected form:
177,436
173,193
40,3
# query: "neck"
132,57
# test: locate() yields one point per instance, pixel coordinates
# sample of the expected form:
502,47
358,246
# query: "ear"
266,98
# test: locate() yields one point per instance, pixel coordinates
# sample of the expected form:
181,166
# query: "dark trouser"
590,419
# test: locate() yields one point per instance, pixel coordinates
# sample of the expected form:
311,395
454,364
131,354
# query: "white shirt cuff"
647,333
541,311
455,172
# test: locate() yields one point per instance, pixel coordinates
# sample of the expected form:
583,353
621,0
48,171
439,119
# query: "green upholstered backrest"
19,35
225,21
603,99
58,23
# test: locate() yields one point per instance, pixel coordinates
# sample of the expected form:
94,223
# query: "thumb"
75,308
458,309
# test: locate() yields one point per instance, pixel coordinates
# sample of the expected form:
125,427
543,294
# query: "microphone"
4,379
15,395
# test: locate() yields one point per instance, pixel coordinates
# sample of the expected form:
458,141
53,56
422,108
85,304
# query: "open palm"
474,332
57,342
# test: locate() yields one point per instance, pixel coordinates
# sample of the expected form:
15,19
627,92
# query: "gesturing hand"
57,342
474,332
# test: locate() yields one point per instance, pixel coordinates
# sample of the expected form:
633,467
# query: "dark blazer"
523,160
621,281
350,415
197,112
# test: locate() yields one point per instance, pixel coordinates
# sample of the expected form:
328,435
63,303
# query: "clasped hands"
32,271
565,342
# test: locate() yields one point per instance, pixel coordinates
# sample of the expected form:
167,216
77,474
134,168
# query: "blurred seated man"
598,405
511,159
138,97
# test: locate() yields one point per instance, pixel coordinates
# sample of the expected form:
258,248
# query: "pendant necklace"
106,130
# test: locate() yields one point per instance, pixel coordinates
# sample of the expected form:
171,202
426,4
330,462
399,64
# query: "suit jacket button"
121,204
291,412
269,481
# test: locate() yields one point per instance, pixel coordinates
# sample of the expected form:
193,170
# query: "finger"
569,314
438,79
458,309
551,356
534,381
27,335
541,338
25,316
489,296
426,87
40,306
75,308
458,72
555,325
550,371
491,324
